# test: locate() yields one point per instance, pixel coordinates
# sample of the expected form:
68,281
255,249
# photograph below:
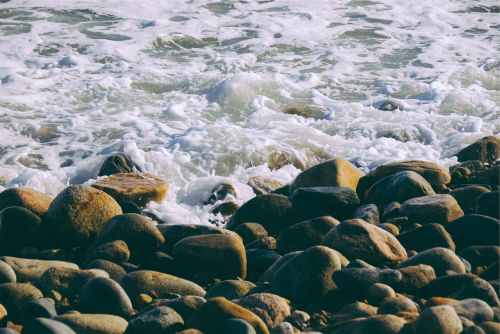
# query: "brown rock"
27,198
137,188
176,232
93,323
13,296
250,232
272,309
439,209
28,270
486,149
262,185
230,289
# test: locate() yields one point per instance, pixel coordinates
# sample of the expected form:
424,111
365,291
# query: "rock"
480,257
93,323
7,274
258,261
356,239
397,304
79,213
477,288
380,324
160,261
306,234
225,209
223,254
28,270
46,326
391,211
9,331
185,306
415,277
158,285
357,281
486,149
221,192
440,259
237,326
268,243
250,232
332,173
272,309
426,237
440,209
378,292
137,188
115,251
473,309
490,327
369,213
30,199
66,281
161,319
114,271
262,185
398,188
230,289
137,231
391,228
338,201
300,318
488,204
39,308
103,295
445,285
118,163
284,328
175,233
13,296
474,230
467,197
269,273
352,311
308,276
212,315
435,175
19,228
439,320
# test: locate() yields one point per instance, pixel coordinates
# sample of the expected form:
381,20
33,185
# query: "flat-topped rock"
138,188
29,270
173,233
94,323
439,209
31,199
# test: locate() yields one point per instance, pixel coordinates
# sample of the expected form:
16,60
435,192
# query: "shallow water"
195,90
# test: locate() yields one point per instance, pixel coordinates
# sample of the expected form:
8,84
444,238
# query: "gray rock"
439,320
115,251
262,185
39,308
480,257
357,281
268,275
480,289
473,309
46,326
415,277
369,213
93,323
185,306
28,270
103,295
159,320
488,204
114,270
174,233
467,197
352,311
486,149
118,163
380,324
426,237
440,259
237,326
7,274
397,304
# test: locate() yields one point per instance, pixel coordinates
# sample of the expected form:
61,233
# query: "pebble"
236,326
115,251
39,308
175,233
486,149
378,292
467,197
488,204
29,270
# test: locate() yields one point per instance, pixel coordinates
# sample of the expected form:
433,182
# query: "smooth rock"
31,199
415,277
357,239
263,185
352,311
397,304
272,309
159,320
490,327
337,201
114,270
175,233
357,281
268,243
486,149
94,323
77,215
474,230
268,275
480,289
7,274
28,270
445,285
250,232
220,192
308,276
439,320
185,306
258,261
212,315
103,295
46,326
473,309
230,289
480,257
488,204
426,237
13,296
306,234
369,213
115,251
160,261
223,254
137,188
118,163
19,228
467,196
237,326
378,292
440,209
39,308
380,324
440,259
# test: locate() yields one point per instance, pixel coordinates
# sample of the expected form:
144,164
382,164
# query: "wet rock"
488,204
114,270
431,209
223,254
440,259
28,270
185,306
474,230
378,292
221,192
332,173
46,326
397,304
473,309
467,196
237,326
13,296
480,257
398,188
262,185
415,277
308,276
250,232
103,295
157,284
480,289
212,315
426,237
486,149
175,233
357,281
439,320
230,289
93,323
490,327
137,188
7,274
39,308
79,213
115,251
258,261
338,201
380,324
356,239
268,243
225,209
306,234
139,233
369,213
19,228
118,163
159,320
30,199
272,309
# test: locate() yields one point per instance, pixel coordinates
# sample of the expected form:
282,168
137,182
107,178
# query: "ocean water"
195,91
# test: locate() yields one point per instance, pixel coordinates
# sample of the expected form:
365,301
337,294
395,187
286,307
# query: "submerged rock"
118,163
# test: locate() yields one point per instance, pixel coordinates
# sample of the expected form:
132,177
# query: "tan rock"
138,188
28,270
271,308
28,198
439,209
14,295
94,323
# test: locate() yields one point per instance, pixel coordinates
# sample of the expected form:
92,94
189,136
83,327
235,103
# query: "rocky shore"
411,248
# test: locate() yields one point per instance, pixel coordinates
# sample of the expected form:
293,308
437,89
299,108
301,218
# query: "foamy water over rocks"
203,93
